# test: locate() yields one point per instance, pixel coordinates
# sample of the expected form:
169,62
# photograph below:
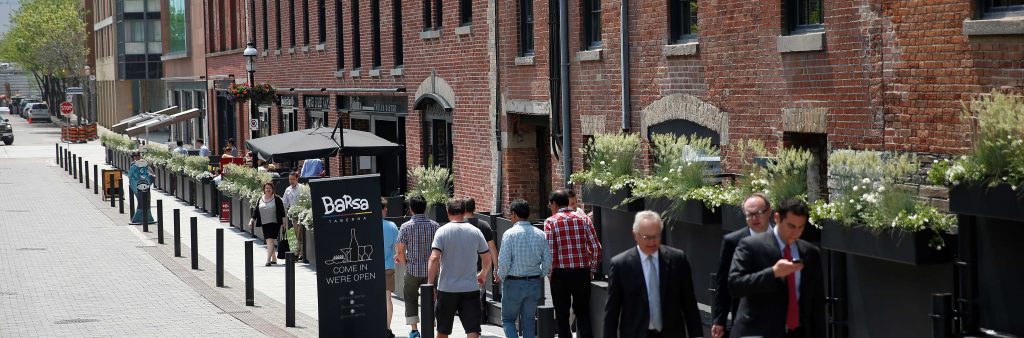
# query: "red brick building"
826,75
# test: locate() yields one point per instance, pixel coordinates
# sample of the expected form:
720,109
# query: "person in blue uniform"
137,175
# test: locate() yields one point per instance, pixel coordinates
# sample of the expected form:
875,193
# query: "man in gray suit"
758,212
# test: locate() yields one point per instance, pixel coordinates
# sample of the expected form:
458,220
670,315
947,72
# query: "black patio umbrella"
320,143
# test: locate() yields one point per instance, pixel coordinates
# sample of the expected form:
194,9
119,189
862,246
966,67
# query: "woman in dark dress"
269,214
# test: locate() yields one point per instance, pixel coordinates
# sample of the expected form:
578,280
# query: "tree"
47,38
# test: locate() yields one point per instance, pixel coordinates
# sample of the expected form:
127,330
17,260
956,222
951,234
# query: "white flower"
856,187
865,180
615,160
893,224
851,200
665,179
672,170
1004,178
602,162
881,189
1013,187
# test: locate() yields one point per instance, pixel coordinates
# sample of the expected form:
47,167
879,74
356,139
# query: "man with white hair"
650,288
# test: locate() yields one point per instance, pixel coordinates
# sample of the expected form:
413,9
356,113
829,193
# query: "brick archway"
437,89
685,107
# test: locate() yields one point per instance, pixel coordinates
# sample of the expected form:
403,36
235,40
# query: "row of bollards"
78,168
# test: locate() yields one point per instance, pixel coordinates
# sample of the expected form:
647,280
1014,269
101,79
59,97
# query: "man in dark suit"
779,279
650,289
758,212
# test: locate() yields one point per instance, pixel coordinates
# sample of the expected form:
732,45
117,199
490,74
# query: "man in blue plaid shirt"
524,260
413,250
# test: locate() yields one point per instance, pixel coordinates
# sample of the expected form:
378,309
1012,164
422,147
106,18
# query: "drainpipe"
498,200
624,63
563,42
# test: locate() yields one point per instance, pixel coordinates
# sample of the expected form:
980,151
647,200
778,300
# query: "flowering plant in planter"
117,142
998,155
240,92
866,193
432,183
176,163
244,182
156,154
610,159
680,175
260,93
197,167
302,210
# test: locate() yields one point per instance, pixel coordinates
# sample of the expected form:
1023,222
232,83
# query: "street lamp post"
250,67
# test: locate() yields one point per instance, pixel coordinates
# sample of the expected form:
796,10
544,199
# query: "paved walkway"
269,281
70,269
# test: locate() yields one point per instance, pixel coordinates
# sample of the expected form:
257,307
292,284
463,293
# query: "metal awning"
161,121
120,127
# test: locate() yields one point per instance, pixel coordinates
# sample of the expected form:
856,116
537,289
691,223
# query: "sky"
6,7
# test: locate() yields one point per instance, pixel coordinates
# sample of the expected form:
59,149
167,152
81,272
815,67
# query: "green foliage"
866,193
243,182
610,159
677,174
197,167
432,183
46,38
998,155
117,142
302,210
787,175
156,154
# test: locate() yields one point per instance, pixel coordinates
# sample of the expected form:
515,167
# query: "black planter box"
245,214
602,197
733,218
309,241
396,206
979,200
236,213
208,193
438,213
690,211
188,189
891,245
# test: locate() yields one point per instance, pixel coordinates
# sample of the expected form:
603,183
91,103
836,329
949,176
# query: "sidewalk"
268,281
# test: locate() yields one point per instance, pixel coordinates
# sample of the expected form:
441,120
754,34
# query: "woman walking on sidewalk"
269,214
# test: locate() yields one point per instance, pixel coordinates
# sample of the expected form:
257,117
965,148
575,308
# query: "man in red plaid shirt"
576,254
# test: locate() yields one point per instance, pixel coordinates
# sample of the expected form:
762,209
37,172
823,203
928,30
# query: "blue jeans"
519,300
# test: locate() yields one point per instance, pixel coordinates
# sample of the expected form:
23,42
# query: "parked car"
6,131
23,109
5,110
38,112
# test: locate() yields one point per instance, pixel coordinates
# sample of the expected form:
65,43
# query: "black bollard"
74,158
120,202
193,222
131,202
250,294
942,319
427,310
160,221
145,210
289,289
95,180
79,171
86,175
57,146
220,257
111,192
177,232
545,322
67,160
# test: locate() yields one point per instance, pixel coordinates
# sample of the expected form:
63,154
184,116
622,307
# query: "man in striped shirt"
524,260
577,253
413,250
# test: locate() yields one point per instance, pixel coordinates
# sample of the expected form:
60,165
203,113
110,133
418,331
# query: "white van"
38,112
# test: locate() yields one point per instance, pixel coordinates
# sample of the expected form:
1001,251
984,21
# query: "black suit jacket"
764,298
723,303
626,313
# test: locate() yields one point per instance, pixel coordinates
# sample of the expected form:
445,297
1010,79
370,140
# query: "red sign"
225,211
66,108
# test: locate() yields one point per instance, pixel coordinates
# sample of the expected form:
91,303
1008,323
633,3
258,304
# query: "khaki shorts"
390,283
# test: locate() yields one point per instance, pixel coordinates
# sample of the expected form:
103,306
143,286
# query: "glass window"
396,29
427,25
322,21
154,30
465,12
135,32
278,24
266,24
1003,5
356,54
375,32
805,15
683,20
291,23
525,27
305,22
339,32
592,23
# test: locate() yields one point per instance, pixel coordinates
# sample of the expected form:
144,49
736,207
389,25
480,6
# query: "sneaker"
414,334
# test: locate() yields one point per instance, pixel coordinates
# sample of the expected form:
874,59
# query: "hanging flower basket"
261,94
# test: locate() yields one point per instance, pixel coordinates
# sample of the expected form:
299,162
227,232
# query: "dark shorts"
467,304
270,230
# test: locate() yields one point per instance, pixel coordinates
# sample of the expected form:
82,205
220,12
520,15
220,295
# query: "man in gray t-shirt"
454,253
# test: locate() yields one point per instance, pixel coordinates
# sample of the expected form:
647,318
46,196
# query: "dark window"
233,26
1002,6
396,29
278,33
291,23
211,39
683,20
375,31
438,14
804,15
252,19
356,54
305,22
322,21
465,12
223,41
437,143
592,23
525,27
266,34
427,24
339,33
